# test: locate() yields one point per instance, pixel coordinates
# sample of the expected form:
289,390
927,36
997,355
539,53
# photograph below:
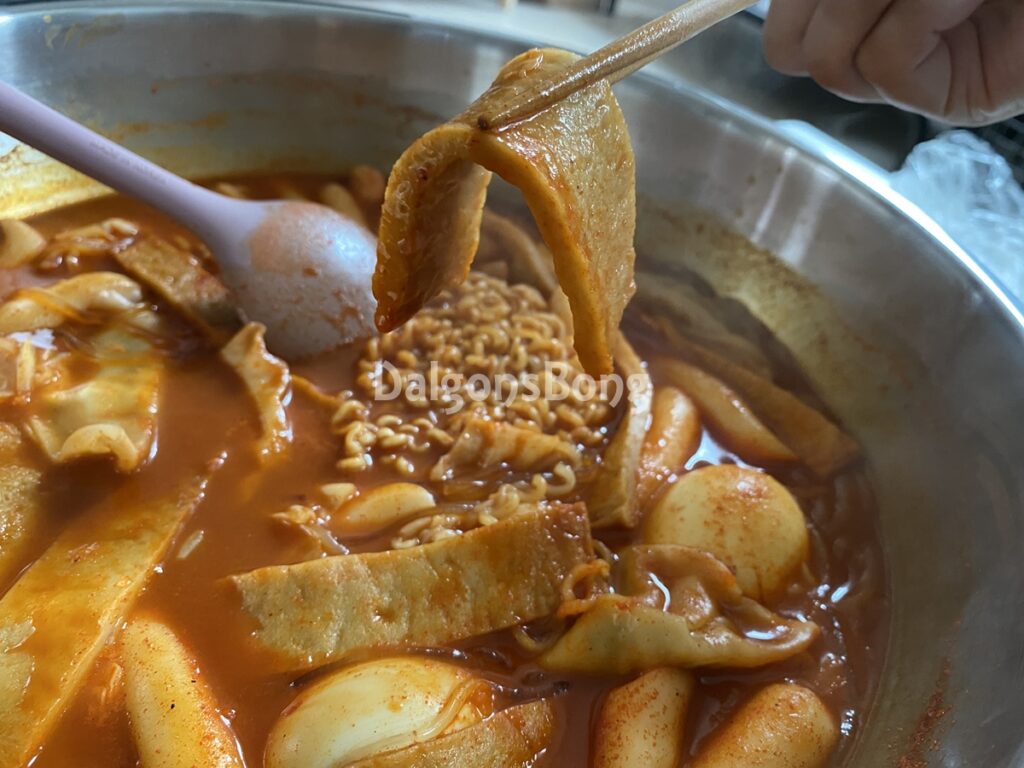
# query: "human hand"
960,61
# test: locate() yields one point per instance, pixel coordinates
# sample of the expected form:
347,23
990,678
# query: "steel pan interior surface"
909,343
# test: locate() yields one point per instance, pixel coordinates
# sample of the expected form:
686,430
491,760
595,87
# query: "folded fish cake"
574,165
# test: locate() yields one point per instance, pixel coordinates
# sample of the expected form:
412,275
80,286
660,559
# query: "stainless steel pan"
908,341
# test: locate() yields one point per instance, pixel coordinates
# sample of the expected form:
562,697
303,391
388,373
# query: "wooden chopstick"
614,61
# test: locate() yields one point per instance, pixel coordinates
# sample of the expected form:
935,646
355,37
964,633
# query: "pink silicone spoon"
299,268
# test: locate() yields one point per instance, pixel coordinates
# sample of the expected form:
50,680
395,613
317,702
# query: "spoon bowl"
301,269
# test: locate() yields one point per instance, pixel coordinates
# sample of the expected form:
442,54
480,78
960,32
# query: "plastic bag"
969,189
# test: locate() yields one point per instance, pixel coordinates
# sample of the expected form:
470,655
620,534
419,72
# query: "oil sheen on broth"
752,553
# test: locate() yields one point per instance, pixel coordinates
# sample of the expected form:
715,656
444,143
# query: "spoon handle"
35,124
